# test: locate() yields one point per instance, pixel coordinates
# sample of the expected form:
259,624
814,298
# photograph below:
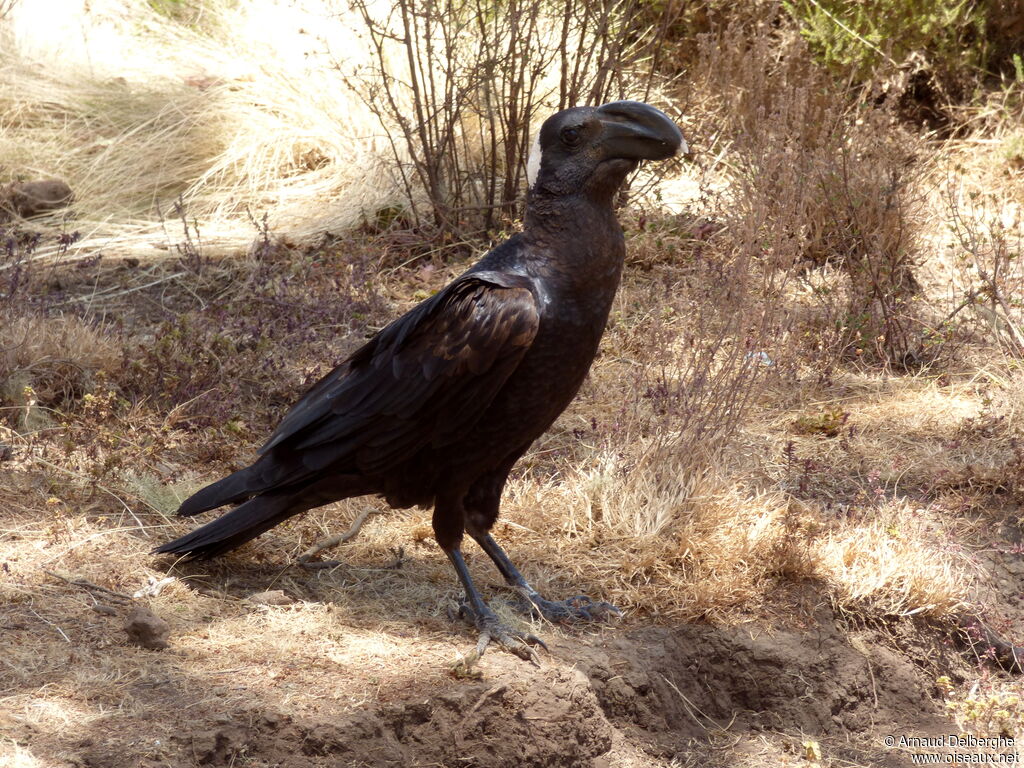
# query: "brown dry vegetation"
797,465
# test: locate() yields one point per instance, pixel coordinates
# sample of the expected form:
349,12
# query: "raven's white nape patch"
533,162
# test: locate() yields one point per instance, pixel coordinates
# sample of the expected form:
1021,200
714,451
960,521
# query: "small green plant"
1013,151
857,36
986,711
828,423
157,494
178,10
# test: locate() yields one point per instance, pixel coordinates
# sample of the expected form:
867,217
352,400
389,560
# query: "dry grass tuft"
51,361
123,147
903,561
712,558
243,111
641,497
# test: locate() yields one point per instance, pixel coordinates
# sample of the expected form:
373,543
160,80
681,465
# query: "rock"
32,198
217,746
1015,566
147,629
270,597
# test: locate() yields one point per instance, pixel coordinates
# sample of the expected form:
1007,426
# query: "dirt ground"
629,696
338,672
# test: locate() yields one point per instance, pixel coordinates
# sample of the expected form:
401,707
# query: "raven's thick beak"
637,131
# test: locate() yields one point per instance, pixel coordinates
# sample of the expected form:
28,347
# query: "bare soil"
628,695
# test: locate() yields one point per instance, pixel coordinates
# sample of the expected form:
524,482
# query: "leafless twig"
88,585
333,541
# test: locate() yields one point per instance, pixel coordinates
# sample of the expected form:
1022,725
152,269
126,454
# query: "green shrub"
857,37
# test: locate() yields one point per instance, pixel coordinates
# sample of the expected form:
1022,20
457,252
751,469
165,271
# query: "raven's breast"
536,393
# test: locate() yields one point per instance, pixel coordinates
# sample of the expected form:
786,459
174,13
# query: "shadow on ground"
627,696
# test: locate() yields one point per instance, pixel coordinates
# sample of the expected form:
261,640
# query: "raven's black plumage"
438,406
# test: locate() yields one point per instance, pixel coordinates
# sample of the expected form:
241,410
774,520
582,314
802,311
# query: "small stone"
272,719
271,597
146,629
31,198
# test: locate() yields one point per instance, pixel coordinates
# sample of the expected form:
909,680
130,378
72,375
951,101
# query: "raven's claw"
492,630
570,610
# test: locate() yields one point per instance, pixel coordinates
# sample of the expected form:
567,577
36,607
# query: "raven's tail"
260,513
236,527
236,487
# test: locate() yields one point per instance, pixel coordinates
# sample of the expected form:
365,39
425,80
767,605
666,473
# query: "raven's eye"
571,136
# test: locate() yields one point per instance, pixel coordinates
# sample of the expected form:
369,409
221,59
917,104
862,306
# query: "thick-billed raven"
437,407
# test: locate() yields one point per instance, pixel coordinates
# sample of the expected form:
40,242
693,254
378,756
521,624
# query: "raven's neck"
579,221
575,244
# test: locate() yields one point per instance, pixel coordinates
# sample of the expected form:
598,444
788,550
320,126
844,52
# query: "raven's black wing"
422,381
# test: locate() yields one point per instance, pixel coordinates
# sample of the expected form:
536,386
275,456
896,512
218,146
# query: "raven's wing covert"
422,381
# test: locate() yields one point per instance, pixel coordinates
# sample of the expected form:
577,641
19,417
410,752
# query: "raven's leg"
448,529
481,505
579,608
486,620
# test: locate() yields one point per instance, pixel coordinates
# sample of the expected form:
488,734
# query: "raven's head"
592,149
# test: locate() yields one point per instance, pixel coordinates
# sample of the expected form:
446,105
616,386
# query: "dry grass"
48,362
904,561
865,513
822,181
649,510
241,111
249,108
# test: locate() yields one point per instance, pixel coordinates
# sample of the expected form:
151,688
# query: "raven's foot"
569,611
492,630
